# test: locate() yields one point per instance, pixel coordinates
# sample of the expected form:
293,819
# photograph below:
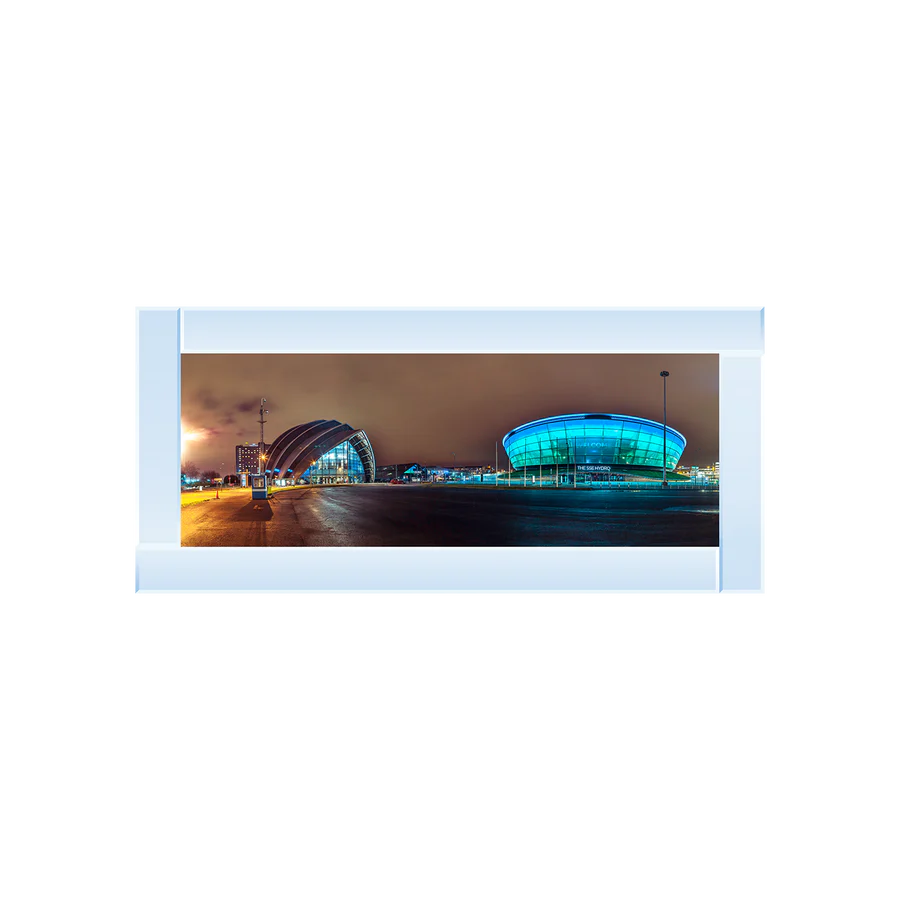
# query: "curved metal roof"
300,446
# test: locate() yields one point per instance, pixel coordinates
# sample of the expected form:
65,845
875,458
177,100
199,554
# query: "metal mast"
262,447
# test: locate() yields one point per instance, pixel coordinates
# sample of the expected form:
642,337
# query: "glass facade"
340,465
593,439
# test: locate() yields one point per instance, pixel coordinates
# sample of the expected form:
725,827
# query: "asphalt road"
376,515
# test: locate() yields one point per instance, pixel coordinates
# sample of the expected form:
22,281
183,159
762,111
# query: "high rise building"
246,458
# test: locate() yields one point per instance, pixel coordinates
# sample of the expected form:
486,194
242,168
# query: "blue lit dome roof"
594,438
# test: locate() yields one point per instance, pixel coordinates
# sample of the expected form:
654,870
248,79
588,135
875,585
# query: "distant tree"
189,469
232,479
209,475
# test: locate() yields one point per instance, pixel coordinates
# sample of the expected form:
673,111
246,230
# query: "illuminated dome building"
321,452
596,446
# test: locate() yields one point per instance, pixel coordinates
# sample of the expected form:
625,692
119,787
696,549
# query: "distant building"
395,470
246,458
415,472
700,474
706,474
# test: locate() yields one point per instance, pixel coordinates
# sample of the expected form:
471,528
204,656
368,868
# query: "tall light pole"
262,422
664,375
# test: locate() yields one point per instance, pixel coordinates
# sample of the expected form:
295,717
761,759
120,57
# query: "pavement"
381,515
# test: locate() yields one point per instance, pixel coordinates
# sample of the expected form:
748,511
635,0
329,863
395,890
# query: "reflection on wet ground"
435,515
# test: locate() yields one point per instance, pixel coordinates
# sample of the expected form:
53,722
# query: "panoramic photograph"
466,450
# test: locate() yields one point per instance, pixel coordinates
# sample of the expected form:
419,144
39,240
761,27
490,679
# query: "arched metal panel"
294,439
277,447
363,447
315,444
298,447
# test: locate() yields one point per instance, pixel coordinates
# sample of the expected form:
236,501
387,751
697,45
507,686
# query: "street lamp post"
262,422
665,481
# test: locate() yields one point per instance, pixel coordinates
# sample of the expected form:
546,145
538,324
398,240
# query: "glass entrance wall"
338,466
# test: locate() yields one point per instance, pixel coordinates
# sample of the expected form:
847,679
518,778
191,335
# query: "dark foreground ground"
428,516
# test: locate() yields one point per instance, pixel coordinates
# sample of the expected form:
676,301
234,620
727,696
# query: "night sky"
422,407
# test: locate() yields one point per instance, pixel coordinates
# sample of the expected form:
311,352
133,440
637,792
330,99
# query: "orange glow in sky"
188,436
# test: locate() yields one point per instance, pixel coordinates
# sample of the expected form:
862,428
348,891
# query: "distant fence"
646,485
502,481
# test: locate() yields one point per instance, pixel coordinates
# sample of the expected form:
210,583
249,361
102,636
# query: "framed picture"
303,449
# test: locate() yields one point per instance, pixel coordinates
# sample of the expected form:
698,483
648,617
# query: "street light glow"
191,436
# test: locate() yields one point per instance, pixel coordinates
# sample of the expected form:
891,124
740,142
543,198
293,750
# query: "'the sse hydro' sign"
588,467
